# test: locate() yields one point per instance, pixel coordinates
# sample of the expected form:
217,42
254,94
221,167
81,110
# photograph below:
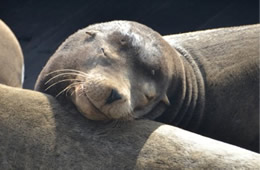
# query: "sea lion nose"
114,96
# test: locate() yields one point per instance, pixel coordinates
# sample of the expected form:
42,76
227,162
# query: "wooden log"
37,133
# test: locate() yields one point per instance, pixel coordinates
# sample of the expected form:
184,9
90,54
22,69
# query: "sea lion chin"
119,70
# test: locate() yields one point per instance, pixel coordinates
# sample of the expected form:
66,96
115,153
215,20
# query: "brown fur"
211,78
36,132
228,61
11,58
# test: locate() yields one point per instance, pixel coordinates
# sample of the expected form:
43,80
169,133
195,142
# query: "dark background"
41,26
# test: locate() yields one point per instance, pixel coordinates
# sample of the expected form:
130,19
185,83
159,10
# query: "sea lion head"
115,70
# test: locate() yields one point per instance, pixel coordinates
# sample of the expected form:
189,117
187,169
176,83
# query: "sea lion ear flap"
166,100
90,35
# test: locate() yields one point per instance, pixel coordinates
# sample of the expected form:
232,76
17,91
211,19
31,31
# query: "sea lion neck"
188,97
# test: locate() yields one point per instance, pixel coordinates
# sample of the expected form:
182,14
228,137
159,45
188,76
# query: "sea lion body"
124,70
11,58
37,132
228,59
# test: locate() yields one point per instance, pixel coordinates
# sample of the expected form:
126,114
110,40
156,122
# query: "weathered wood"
37,133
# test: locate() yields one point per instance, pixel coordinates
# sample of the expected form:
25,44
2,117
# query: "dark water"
42,25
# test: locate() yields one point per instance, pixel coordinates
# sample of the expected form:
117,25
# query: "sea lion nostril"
114,96
149,97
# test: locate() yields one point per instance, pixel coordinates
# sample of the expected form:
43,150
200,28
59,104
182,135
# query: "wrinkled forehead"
137,38
109,27
137,32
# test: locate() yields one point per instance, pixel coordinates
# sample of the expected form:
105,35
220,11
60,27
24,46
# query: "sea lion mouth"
86,107
94,109
97,110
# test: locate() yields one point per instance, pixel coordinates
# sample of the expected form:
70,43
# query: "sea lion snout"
114,96
103,97
100,97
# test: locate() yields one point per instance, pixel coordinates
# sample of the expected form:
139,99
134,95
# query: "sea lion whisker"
115,123
68,87
72,92
68,70
130,116
60,81
71,86
119,123
62,74
81,94
64,70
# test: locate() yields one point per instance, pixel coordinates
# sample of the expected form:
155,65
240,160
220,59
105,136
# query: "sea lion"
37,132
121,70
11,58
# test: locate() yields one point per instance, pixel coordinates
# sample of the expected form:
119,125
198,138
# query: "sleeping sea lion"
206,82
